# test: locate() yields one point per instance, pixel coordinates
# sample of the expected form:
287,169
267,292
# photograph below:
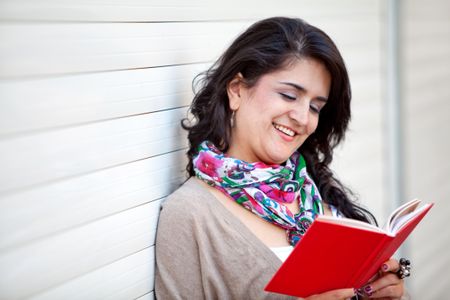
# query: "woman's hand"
333,295
387,285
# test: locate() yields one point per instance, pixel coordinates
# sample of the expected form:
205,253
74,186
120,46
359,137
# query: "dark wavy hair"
266,46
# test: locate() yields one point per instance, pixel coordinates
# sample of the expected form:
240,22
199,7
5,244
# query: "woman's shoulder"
190,196
189,208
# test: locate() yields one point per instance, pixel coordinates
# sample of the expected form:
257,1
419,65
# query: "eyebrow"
302,89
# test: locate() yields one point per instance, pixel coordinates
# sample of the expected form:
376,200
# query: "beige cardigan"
204,252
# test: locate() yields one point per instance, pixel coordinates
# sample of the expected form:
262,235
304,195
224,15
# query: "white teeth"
284,130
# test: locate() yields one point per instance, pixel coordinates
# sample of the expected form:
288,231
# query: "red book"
338,253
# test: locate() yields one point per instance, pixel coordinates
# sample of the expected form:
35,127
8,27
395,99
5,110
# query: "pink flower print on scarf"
277,194
263,189
208,164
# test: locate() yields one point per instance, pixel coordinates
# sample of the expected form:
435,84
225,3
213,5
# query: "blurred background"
91,94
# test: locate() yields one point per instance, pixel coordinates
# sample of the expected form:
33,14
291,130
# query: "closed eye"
314,108
289,97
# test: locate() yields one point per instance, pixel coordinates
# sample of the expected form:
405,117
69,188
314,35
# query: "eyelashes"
287,96
314,108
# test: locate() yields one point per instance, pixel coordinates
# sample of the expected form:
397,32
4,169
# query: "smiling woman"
267,117
275,117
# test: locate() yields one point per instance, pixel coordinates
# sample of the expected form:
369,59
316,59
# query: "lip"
284,136
295,131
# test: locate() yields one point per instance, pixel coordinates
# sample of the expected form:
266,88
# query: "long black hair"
266,46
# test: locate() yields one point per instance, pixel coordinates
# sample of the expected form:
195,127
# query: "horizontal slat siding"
53,208
84,159
93,47
177,10
127,278
48,156
77,252
426,73
75,48
148,296
94,97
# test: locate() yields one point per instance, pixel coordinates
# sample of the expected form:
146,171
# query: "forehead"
304,71
300,67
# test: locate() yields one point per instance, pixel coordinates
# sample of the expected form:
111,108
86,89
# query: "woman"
267,117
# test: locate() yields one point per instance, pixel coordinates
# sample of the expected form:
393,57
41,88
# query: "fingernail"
384,267
358,292
368,290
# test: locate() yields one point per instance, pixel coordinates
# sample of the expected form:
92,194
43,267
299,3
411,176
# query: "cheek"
259,112
313,124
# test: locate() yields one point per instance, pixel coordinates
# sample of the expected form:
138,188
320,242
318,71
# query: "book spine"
368,269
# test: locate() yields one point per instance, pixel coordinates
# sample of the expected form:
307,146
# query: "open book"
340,253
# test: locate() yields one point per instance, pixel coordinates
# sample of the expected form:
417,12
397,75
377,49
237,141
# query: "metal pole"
393,122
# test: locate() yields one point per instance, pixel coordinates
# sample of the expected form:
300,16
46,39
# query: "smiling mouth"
285,130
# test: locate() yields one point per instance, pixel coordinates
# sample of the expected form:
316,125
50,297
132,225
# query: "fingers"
389,292
391,265
334,294
387,285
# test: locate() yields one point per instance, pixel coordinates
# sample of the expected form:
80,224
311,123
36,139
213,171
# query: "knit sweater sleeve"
177,274
203,252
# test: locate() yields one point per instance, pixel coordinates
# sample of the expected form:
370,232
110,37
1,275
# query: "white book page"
396,220
350,223
401,216
403,219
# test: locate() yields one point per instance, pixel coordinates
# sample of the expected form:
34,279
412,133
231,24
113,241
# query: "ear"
234,90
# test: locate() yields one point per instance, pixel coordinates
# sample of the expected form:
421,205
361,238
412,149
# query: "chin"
277,159
278,154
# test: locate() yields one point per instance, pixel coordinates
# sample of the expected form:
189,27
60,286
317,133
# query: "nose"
300,113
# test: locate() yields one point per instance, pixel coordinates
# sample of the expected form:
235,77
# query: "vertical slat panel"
426,94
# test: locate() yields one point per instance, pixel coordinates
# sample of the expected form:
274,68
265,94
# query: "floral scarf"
263,189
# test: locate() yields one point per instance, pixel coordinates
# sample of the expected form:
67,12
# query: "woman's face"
274,117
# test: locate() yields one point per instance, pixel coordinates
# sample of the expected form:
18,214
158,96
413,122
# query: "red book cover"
338,253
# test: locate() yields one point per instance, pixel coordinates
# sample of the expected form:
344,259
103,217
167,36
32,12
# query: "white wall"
90,98
426,101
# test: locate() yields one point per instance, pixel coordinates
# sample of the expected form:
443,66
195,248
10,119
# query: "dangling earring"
232,118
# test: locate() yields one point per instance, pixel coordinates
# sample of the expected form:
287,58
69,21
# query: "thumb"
336,294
